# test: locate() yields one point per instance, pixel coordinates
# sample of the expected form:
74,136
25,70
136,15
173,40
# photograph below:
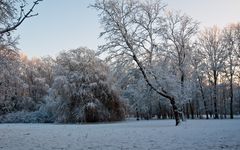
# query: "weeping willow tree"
82,89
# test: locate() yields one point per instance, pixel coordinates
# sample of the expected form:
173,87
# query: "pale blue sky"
63,24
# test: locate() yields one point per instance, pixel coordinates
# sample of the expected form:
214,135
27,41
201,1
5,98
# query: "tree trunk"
187,111
182,96
211,106
137,113
239,106
225,109
231,96
215,96
175,111
159,111
206,110
203,97
192,109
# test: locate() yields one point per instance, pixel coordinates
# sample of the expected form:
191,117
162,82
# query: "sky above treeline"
63,25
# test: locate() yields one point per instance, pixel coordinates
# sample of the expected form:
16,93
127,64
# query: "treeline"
204,77
166,66
74,87
158,64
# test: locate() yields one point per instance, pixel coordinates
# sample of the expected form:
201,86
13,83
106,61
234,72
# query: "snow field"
127,135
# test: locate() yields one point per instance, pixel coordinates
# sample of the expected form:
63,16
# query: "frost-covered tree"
23,87
82,89
199,75
231,41
178,36
131,31
12,14
9,81
46,69
214,55
36,82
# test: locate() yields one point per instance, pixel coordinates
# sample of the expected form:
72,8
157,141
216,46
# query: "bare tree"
199,72
180,29
129,28
214,56
237,38
231,45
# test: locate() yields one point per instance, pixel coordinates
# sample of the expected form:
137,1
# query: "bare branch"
22,17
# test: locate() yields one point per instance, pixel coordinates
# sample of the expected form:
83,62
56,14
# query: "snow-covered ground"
141,135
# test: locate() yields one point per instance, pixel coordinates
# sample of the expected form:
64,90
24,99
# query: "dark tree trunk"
192,109
225,109
137,113
71,105
215,96
203,97
211,106
211,114
206,110
187,110
231,96
159,111
175,111
239,106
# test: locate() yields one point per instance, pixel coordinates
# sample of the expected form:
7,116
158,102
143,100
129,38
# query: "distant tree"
214,55
199,73
178,37
9,81
23,86
231,45
32,74
236,28
47,69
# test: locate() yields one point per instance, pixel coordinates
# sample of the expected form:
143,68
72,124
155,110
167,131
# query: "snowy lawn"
156,134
